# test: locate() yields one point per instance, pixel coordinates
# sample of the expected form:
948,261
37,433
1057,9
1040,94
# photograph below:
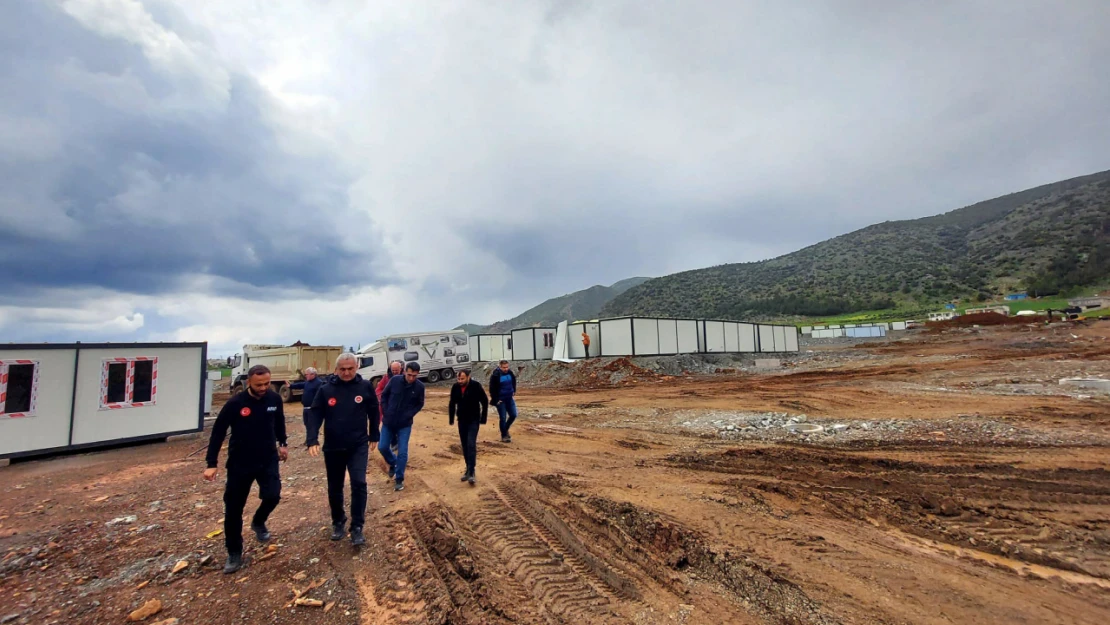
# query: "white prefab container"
575,348
807,329
645,337
533,343
898,326
60,397
490,347
701,337
780,339
766,339
668,336
732,336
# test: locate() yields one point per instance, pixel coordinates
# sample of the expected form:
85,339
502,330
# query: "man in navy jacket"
402,398
312,383
348,409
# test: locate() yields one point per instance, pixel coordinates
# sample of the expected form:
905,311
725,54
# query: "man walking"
586,342
402,398
312,383
502,392
348,409
394,369
470,404
257,422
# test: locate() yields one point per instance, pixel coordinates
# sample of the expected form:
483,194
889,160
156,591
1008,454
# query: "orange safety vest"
585,339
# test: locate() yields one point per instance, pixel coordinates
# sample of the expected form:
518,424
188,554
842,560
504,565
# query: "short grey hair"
398,363
311,370
346,356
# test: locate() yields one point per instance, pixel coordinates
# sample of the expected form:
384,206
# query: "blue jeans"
399,437
506,409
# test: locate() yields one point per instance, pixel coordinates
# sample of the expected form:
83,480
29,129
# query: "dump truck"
287,365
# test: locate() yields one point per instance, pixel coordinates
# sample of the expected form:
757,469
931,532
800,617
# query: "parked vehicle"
287,365
437,353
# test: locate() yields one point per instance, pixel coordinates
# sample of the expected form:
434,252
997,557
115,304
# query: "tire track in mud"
558,583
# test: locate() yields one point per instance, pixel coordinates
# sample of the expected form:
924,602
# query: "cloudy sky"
332,170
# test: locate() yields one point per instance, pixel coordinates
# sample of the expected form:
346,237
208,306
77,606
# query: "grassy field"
225,372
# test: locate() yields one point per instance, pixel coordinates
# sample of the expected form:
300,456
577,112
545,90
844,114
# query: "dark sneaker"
337,532
399,486
261,532
357,539
392,471
470,478
234,563
506,439
465,477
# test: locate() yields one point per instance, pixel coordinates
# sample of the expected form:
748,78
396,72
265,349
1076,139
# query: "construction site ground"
955,481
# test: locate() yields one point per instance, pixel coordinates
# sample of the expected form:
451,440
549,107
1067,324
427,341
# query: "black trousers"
468,437
339,463
305,414
239,482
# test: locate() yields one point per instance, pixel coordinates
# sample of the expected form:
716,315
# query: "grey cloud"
146,190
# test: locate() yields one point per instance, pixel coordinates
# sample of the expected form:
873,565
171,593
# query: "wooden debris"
180,566
300,576
149,609
312,603
143,585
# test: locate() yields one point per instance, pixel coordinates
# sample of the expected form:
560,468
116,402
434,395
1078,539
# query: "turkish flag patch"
331,402
358,399
245,412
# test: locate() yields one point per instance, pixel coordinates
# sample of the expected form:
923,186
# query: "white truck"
439,354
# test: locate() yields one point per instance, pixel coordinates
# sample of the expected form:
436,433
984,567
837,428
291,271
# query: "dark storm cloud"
126,175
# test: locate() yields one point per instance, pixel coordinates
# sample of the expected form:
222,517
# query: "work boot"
357,539
506,439
261,532
470,478
465,476
234,563
337,531
399,486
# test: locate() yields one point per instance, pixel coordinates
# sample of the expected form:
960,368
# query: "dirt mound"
980,319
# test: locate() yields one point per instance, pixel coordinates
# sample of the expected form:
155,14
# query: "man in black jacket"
347,407
470,404
257,423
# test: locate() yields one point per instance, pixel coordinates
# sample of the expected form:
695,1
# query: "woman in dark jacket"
470,404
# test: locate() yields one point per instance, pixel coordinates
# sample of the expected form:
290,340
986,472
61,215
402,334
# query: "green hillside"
1049,239
584,304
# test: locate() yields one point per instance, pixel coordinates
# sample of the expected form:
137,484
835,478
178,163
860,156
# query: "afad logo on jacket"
331,401
358,399
245,412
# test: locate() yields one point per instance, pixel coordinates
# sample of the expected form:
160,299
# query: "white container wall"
714,337
780,339
668,336
616,337
791,340
766,339
645,337
747,337
543,343
62,397
732,336
524,346
898,325
701,336
688,342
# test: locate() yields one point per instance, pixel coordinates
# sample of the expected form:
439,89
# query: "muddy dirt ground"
955,481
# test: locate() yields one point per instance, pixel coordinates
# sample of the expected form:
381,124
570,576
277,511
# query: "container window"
128,383
18,388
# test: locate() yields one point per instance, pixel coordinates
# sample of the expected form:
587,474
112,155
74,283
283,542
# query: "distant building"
1001,310
1013,297
1088,303
943,316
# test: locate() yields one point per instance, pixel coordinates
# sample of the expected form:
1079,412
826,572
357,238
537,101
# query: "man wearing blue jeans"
402,398
502,390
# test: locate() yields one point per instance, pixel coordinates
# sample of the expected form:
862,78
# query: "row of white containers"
639,336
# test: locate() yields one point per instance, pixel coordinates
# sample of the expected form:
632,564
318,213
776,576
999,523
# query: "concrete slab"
767,363
4,462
